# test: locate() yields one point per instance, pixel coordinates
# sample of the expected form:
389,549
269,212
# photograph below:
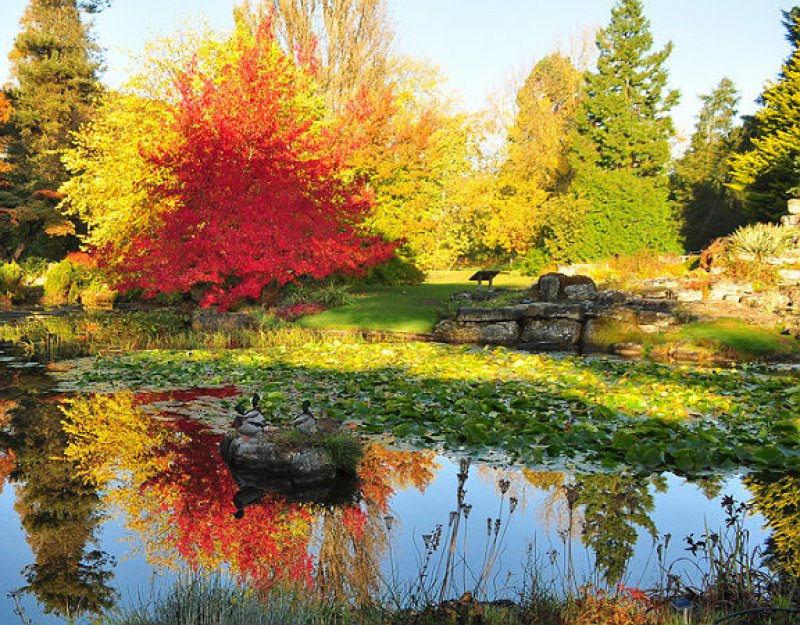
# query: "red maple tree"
260,189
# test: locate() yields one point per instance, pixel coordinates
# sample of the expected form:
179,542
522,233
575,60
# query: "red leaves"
260,192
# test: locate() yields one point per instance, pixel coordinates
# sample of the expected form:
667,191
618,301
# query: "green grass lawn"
404,308
744,339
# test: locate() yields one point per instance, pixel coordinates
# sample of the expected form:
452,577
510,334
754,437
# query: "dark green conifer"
621,144
769,171
56,64
710,208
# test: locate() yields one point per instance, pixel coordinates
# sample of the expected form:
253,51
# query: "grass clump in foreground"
200,601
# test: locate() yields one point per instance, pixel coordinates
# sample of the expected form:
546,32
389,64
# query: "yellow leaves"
110,187
108,434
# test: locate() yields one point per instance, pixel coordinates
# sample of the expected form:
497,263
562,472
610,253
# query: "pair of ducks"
252,421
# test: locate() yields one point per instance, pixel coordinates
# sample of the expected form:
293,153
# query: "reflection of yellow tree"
176,493
779,501
558,508
353,540
59,513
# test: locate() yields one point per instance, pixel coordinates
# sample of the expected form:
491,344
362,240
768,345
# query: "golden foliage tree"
536,164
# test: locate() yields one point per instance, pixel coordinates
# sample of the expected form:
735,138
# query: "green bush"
65,282
10,279
534,262
62,283
33,268
761,240
400,270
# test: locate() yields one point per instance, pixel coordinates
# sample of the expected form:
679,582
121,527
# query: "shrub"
68,282
33,268
62,283
399,270
761,240
10,280
327,294
534,262
628,606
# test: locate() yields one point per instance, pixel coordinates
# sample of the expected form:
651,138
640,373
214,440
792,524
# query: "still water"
90,522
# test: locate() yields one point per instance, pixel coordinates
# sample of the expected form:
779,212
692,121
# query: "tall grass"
52,338
214,601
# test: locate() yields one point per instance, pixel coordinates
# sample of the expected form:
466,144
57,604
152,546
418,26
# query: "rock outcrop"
562,313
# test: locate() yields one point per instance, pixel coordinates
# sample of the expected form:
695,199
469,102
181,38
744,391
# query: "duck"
250,420
305,422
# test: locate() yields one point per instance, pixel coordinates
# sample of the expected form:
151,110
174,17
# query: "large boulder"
556,334
575,311
490,315
260,453
554,286
488,333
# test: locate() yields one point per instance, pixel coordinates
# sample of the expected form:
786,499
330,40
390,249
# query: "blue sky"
480,44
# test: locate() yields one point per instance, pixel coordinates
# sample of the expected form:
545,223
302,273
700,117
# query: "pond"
112,511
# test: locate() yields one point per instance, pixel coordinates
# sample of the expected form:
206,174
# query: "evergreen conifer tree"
710,208
621,144
769,172
56,65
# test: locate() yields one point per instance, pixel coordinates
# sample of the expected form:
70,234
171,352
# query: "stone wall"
564,313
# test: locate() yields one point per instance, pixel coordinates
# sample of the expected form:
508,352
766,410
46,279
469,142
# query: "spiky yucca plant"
761,240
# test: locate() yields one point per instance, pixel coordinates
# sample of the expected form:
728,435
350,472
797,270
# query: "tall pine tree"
621,144
769,172
56,65
710,208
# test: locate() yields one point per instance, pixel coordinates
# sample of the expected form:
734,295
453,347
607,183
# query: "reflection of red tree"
268,545
184,395
6,455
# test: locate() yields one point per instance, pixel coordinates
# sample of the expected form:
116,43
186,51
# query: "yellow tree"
112,182
536,163
416,153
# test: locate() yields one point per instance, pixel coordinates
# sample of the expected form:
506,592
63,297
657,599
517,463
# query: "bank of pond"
493,486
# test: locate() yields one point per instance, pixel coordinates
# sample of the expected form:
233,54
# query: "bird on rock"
305,421
250,420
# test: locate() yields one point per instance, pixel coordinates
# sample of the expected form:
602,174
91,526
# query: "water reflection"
777,498
59,512
418,528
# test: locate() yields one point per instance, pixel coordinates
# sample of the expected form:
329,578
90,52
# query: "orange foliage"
628,606
5,116
83,259
6,455
383,470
